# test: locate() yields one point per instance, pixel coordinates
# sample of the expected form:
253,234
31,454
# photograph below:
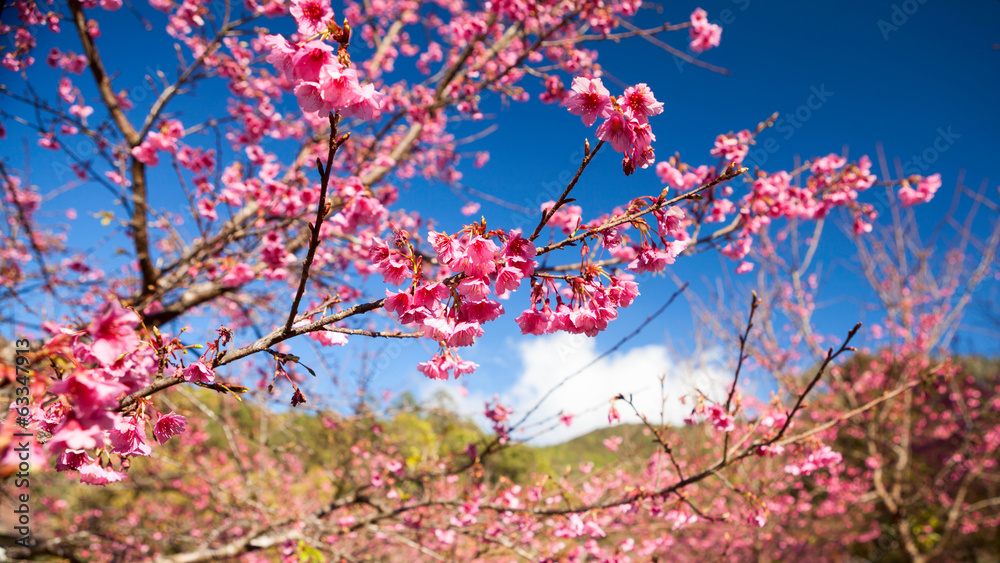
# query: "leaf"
309,554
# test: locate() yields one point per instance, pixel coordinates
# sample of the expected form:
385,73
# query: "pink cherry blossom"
704,35
168,426
533,321
112,334
199,372
619,130
926,188
311,15
367,105
732,147
589,99
308,60
128,437
329,337
95,474
639,102
613,415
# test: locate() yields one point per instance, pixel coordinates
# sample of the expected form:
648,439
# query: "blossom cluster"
453,315
165,139
320,75
715,413
821,458
585,305
704,35
111,361
924,192
832,182
626,118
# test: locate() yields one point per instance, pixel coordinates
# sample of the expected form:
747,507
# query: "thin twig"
320,215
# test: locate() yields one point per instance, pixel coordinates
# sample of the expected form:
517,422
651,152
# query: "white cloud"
636,372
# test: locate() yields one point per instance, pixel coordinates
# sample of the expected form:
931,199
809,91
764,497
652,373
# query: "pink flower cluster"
454,316
704,35
163,140
110,362
821,458
926,188
84,418
733,147
321,81
361,208
683,178
584,306
576,527
68,61
833,183
567,218
715,413
653,259
626,124
498,414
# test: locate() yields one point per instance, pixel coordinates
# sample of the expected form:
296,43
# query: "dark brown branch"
140,230
754,303
730,173
588,155
830,356
320,215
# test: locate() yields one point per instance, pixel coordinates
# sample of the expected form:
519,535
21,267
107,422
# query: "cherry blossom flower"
112,333
612,443
721,420
128,437
329,337
95,474
732,147
589,99
618,130
704,35
821,458
613,415
311,16
75,435
199,372
926,188
638,102
168,426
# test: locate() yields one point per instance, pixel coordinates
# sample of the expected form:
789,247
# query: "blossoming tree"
290,223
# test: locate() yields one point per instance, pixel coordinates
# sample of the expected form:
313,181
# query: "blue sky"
904,74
